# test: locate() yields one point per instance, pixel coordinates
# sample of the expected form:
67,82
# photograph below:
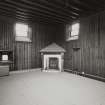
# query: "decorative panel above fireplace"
52,57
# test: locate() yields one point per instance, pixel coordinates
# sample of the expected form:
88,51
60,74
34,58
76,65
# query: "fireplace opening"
53,63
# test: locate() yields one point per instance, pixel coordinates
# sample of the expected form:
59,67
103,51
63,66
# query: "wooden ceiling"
59,11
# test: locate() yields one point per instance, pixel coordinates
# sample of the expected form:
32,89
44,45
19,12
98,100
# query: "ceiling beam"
63,7
21,5
51,5
65,4
54,10
29,12
84,4
80,5
28,17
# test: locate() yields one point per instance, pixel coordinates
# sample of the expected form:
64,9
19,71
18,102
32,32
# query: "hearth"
52,57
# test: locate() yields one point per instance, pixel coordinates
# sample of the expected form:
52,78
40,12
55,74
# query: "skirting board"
86,75
23,71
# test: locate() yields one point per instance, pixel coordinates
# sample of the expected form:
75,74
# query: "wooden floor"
50,88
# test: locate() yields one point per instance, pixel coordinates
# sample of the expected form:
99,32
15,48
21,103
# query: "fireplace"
52,58
52,61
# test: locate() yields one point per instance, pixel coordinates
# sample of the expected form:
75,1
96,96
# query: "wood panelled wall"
87,54
26,54
6,35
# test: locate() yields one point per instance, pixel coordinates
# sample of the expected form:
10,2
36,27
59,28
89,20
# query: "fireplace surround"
52,58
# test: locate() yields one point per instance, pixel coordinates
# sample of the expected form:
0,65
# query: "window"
22,32
72,31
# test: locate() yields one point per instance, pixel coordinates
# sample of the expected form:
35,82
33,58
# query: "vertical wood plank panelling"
23,55
90,58
6,37
28,53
